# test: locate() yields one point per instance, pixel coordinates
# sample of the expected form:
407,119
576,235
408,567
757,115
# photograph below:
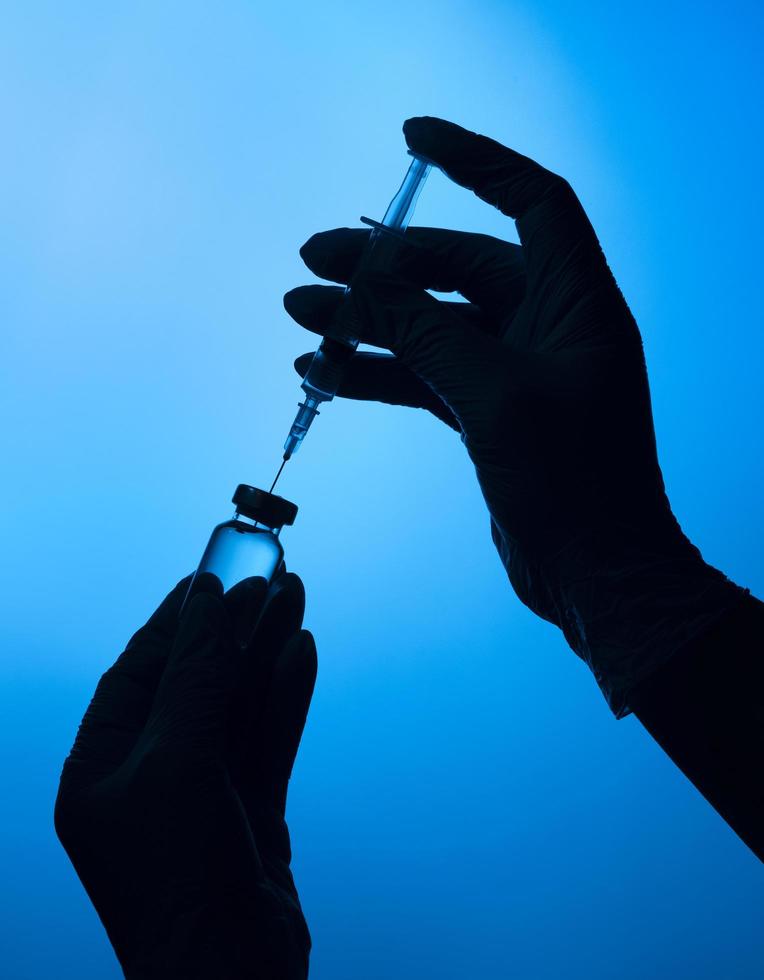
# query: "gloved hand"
543,374
171,803
541,371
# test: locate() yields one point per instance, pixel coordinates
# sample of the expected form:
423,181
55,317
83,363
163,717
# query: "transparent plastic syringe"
324,375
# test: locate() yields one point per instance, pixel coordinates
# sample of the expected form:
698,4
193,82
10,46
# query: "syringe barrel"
401,208
324,375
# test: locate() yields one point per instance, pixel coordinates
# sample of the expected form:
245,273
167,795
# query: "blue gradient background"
464,804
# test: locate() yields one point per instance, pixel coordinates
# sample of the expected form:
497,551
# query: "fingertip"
302,363
247,592
281,617
291,301
311,249
313,307
202,610
204,600
411,131
413,124
421,133
209,584
301,303
170,608
290,590
314,253
334,254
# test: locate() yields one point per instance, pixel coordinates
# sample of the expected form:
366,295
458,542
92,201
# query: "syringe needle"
276,478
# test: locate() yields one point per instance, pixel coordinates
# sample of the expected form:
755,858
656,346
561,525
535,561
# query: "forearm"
705,708
224,940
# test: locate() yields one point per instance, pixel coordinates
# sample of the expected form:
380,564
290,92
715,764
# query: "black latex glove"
171,803
542,372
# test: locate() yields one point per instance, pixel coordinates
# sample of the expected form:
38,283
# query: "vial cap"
265,508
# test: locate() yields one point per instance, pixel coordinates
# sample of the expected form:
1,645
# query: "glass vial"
249,543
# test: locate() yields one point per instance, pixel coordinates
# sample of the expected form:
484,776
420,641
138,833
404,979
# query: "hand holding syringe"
324,375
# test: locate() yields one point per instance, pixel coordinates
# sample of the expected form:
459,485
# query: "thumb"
189,715
289,696
500,176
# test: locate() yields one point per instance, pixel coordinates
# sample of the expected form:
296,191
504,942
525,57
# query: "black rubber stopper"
265,508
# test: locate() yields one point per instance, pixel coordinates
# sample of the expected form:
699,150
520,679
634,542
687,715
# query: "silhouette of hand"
542,373
171,803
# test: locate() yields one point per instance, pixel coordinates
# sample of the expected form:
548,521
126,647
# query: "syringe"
324,375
